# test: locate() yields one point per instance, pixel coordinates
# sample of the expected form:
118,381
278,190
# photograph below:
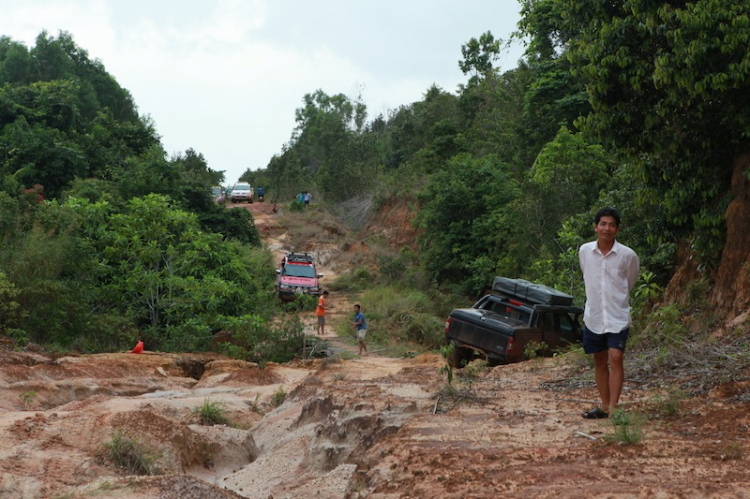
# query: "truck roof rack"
528,292
299,257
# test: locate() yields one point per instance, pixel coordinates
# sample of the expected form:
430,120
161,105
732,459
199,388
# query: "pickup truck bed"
499,327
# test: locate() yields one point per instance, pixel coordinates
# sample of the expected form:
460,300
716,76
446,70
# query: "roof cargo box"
529,292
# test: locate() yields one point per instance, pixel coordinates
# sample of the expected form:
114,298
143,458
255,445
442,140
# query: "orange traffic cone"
138,348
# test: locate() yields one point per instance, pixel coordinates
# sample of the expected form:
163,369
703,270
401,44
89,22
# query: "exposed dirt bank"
353,427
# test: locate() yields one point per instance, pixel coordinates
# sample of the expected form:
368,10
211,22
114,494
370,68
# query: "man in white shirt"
610,271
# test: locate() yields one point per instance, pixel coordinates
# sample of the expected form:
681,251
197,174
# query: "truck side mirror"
278,271
320,275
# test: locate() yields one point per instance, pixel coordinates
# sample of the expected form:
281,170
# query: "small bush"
254,340
731,452
392,267
296,206
628,428
278,397
28,399
212,413
302,303
574,356
132,455
668,404
358,280
447,369
407,315
534,350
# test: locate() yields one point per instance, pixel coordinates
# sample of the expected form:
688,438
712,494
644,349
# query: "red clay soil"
355,427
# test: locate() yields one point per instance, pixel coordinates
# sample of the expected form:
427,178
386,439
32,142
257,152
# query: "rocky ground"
355,427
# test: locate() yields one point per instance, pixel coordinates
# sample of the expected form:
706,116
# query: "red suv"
297,275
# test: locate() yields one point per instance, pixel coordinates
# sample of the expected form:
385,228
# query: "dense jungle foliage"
638,105
103,239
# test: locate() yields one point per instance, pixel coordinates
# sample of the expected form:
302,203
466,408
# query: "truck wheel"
459,357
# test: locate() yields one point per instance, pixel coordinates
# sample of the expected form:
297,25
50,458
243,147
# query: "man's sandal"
595,413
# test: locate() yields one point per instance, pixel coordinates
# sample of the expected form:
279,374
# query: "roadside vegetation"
132,455
105,240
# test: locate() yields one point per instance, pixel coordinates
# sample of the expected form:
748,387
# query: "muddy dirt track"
352,427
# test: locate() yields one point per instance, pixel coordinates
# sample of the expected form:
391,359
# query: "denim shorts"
595,343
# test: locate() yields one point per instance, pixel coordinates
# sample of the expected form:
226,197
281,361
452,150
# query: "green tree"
465,218
667,82
479,56
566,179
15,61
173,280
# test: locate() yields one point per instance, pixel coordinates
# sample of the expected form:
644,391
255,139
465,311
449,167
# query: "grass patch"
408,316
212,413
28,399
668,404
628,428
278,397
573,356
132,455
731,452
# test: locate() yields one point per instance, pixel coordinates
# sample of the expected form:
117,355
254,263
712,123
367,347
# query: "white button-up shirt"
609,279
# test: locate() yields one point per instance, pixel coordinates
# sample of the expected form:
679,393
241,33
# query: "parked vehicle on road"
241,191
297,275
501,325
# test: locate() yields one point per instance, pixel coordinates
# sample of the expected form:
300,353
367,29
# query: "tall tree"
479,56
668,82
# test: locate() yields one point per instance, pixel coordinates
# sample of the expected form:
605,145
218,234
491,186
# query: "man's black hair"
357,305
325,292
607,212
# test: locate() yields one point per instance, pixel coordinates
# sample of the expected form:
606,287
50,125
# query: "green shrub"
628,428
447,369
404,315
534,349
668,404
9,307
212,413
252,339
392,267
28,399
132,455
358,280
278,397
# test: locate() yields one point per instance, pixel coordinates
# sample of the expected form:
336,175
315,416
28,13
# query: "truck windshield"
298,271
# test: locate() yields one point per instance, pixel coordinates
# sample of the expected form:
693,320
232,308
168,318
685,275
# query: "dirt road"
349,427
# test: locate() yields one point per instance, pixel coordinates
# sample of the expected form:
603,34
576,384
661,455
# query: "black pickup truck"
500,325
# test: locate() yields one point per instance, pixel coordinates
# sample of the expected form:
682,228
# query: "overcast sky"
225,77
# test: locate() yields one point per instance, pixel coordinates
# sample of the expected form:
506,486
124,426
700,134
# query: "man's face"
606,229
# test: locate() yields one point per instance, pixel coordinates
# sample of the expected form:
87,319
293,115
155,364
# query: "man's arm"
633,270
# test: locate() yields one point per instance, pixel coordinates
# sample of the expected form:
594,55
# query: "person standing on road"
360,325
307,199
610,271
320,312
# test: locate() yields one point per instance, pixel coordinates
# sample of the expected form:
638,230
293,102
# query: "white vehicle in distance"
241,191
